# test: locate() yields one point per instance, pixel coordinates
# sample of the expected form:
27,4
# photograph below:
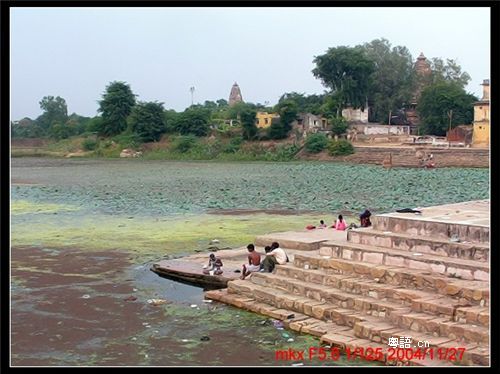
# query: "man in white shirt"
275,256
279,254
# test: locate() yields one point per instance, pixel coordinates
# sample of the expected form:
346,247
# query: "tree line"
374,74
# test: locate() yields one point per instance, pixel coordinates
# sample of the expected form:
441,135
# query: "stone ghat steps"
341,333
318,301
298,244
463,269
406,242
417,301
417,225
473,292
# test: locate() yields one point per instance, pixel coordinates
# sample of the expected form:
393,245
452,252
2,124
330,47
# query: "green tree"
346,72
247,118
222,103
54,110
450,71
193,120
60,131
171,117
115,106
392,83
147,121
26,128
287,110
438,100
305,104
338,125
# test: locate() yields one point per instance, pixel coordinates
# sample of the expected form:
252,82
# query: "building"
308,123
376,129
481,126
265,119
424,71
461,134
359,115
235,95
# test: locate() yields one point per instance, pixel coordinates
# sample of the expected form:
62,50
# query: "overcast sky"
161,52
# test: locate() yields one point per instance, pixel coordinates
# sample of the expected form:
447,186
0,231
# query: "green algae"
28,207
150,236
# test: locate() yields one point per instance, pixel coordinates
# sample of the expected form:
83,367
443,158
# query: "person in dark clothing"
364,218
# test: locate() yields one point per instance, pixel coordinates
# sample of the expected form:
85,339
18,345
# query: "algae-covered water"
84,233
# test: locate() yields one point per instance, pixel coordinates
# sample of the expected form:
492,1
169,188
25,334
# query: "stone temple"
235,95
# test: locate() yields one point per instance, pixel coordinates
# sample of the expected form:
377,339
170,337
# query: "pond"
85,232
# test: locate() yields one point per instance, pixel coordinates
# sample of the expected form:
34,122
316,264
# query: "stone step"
307,240
454,267
343,337
474,292
319,302
418,301
414,243
433,227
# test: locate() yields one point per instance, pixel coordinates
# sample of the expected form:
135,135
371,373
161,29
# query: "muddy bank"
74,307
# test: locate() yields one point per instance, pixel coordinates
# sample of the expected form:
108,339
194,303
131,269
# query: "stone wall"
410,157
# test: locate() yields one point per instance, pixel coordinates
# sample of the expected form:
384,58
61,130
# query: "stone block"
373,258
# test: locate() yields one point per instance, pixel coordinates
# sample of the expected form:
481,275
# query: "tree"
54,110
346,72
60,131
115,106
26,128
339,125
247,118
193,120
449,72
392,82
287,110
438,100
147,121
222,103
305,104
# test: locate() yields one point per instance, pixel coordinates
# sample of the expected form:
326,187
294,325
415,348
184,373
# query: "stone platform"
424,276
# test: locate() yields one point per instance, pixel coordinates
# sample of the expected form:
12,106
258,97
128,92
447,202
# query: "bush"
340,148
284,153
89,144
315,143
128,140
234,145
184,143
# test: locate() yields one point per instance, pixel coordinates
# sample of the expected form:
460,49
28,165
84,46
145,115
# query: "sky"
162,52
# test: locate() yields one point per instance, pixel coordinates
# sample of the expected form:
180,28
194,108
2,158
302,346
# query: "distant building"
235,95
308,123
265,119
481,127
460,134
423,70
359,115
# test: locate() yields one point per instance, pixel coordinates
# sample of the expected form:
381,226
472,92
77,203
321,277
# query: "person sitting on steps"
253,262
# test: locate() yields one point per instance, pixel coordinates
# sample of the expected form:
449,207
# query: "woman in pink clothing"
340,224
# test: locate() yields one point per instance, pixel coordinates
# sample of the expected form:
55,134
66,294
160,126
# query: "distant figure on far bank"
364,218
322,225
340,224
253,262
